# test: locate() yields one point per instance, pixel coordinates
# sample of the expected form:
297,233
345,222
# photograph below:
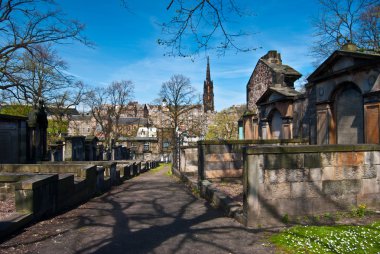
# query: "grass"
330,239
169,173
161,167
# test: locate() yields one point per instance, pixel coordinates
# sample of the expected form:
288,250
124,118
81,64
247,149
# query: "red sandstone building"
341,103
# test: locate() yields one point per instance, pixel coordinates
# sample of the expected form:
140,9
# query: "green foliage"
359,211
159,168
330,239
170,172
225,124
16,110
285,218
55,128
196,192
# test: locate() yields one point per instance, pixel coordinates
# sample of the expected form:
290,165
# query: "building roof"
64,111
282,68
151,139
82,117
369,57
133,120
11,117
284,92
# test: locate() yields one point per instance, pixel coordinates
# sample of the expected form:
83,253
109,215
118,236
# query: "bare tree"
60,107
197,25
181,99
45,74
370,27
24,26
107,105
342,21
204,25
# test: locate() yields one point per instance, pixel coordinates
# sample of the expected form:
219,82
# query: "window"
146,147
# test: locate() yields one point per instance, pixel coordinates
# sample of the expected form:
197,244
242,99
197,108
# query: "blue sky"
126,46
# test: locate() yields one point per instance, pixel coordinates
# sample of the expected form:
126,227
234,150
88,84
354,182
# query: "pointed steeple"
208,90
208,75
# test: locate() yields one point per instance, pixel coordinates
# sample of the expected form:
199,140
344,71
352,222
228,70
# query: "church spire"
208,75
208,90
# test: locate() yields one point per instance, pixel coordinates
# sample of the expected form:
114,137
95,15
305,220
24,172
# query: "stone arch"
275,120
348,114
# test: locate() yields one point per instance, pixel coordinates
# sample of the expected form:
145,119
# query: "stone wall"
295,181
224,159
40,190
189,159
258,83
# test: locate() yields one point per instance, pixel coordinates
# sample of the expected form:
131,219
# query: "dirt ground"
7,206
232,189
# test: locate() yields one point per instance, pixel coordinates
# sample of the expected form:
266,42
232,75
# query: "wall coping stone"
252,142
310,149
6,177
98,163
36,181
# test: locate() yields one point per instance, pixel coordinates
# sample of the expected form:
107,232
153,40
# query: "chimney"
273,57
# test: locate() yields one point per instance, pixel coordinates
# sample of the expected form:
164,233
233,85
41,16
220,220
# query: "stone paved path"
152,213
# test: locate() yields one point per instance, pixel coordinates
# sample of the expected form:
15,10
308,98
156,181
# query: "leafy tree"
225,124
55,129
342,21
107,104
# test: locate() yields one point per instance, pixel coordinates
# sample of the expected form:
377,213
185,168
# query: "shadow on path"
152,213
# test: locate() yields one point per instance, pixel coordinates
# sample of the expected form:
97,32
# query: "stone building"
82,124
275,80
134,109
341,104
344,98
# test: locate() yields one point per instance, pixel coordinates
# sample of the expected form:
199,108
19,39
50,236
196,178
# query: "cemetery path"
152,213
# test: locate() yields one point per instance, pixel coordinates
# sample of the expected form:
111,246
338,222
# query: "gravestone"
75,148
91,148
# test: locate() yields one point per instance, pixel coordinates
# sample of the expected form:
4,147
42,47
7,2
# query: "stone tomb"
75,148
13,139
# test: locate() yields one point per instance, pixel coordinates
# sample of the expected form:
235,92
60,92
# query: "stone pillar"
287,130
251,186
265,130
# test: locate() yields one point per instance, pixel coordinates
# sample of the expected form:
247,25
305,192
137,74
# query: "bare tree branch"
202,25
342,21
107,105
24,27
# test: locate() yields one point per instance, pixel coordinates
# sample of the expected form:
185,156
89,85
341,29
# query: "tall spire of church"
208,75
208,90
